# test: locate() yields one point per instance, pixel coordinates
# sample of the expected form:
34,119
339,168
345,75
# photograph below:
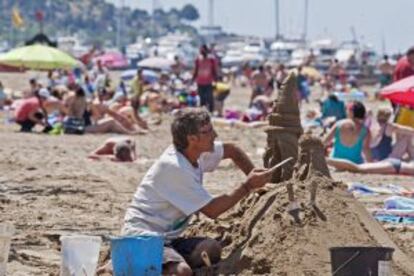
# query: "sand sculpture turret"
311,159
284,130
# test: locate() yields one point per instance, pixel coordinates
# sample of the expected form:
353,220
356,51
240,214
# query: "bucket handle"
356,254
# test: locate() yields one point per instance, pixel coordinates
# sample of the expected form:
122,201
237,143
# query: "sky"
387,25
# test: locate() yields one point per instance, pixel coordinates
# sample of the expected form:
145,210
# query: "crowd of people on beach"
89,100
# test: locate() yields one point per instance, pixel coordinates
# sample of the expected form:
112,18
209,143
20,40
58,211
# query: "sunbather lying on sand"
118,149
387,166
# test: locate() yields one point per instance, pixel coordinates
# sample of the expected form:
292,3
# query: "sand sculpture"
311,162
259,237
284,130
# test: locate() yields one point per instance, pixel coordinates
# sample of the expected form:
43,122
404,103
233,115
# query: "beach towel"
360,189
394,219
399,202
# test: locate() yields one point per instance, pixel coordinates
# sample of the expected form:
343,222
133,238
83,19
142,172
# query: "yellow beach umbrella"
38,57
311,72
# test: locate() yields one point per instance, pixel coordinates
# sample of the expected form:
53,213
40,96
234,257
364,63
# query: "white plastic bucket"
6,233
80,255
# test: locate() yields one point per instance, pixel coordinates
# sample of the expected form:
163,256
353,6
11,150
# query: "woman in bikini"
351,137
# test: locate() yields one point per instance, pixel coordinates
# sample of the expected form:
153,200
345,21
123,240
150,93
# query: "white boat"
299,57
72,45
281,50
324,51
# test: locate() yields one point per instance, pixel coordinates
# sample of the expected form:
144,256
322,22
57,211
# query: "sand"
48,188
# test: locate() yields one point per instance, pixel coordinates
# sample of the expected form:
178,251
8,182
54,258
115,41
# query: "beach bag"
405,117
73,125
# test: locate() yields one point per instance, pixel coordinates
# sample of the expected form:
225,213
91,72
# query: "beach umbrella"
38,57
400,92
311,72
149,75
112,60
158,63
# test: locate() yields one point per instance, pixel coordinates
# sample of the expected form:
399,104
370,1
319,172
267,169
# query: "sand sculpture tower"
311,162
284,130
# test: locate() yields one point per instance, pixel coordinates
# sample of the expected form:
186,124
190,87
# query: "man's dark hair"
187,121
80,92
358,110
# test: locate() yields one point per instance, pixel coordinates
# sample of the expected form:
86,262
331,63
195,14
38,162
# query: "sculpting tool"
278,165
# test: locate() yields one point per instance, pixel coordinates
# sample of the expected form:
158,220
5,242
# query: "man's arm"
256,179
238,156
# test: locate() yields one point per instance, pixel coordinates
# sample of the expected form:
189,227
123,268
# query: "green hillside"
94,20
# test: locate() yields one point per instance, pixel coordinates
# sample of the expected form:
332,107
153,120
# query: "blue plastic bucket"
140,255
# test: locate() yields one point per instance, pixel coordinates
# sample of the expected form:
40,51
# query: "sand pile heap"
259,236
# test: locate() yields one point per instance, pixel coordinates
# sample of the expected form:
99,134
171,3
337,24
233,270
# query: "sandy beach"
49,188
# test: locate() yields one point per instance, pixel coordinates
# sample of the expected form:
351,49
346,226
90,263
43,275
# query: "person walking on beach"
137,89
205,73
172,191
405,66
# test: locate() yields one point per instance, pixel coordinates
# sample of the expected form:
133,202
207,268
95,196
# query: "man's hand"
257,178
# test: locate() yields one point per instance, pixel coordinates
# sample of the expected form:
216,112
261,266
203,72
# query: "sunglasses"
207,131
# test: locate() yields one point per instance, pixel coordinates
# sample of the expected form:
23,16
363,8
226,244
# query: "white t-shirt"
170,192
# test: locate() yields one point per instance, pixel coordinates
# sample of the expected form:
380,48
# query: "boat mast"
211,13
305,21
277,19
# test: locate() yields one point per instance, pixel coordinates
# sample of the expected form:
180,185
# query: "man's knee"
179,269
211,247
183,269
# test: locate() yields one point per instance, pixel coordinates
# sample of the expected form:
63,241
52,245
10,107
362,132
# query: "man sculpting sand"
172,191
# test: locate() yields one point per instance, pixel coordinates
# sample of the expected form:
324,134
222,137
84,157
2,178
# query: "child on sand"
118,149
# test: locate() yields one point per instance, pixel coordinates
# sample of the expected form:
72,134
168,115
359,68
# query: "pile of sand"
267,234
260,237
